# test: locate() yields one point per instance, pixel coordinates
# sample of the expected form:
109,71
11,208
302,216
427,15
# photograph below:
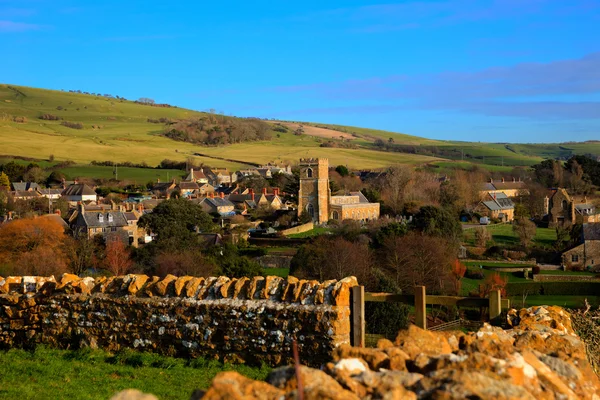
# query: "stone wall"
239,320
299,229
564,278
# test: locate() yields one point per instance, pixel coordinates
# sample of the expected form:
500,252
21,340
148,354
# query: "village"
272,214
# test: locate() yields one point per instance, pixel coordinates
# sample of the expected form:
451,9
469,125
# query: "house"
586,254
219,176
205,189
188,188
134,232
25,186
275,169
244,173
218,205
315,199
498,206
563,210
249,200
100,223
77,192
512,188
52,194
163,189
197,176
25,194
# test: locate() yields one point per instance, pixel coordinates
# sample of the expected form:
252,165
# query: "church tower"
314,194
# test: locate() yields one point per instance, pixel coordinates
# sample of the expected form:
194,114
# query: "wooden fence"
420,299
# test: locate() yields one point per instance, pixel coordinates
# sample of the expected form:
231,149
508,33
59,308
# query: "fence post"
420,307
495,304
358,316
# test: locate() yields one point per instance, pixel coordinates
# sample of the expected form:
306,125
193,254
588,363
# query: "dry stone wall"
238,320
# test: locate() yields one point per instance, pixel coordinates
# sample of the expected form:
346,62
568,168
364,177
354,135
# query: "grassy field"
137,175
95,374
503,234
319,230
117,130
282,272
563,301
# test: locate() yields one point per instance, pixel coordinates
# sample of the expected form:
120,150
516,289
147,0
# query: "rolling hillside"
119,130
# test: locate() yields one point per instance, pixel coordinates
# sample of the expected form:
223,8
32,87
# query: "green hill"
119,130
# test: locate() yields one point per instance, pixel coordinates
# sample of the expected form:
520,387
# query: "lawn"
94,374
561,272
282,272
563,301
494,264
137,175
319,230
503,234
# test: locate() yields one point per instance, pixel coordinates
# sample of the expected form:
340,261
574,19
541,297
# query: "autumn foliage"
493,282
117,257
458,271
33,246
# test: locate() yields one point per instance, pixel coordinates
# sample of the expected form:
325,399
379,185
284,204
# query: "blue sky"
479,70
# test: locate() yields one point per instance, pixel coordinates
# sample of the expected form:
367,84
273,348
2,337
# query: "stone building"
315,199
511,188
101,223
79,192
564,210
498,206
586,255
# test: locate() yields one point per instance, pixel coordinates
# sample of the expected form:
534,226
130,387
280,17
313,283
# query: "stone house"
498,206
205,189
188,189
219,205
315,199
101,223
219,176
585,255
559,208
511,188
197,176
163,190
77,192
249,200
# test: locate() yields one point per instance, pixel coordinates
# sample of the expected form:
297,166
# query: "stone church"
315,196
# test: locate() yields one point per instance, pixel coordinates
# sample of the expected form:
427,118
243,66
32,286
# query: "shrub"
72,125
474,274
20,120
50,117
554,288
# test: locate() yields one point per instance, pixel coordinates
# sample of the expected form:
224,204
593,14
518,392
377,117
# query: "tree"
493,282
482,236
81,254
175,223
35,174
458,271
416,259
186,262
342,170
525,230
4,181
117,257
396,180
14,171
55,178
146,100
437,221
33,246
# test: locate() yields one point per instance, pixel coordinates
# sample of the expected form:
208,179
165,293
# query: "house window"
100,218
311,210
336,215
575,257
309,173
113,228
564,204
110,218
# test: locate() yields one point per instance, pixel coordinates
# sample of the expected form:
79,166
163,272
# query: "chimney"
212,195
502,180
276,191
491,180
514,180
57,212
157,180
264,191
252,194
192,175
222,195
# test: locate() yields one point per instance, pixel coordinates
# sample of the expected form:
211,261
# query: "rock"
352,366
415,340
165,286
133,394
232,385
316,384
341,291
374,358
136,283
180,284
191,289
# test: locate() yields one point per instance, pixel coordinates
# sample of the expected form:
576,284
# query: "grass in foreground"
94,374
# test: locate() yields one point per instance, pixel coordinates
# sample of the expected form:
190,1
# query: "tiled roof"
78,189
23,186
102,220
361,197
219,202
591,231
188,185
25,193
